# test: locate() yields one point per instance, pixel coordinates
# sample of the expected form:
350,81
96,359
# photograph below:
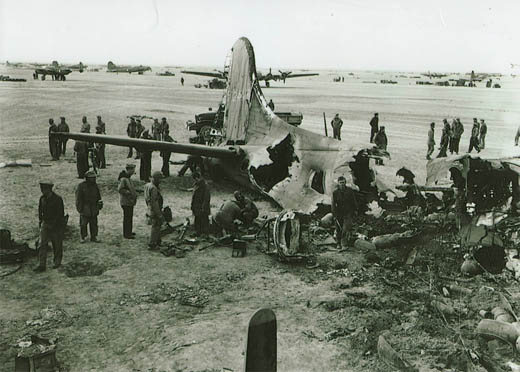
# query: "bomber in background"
57,71
111,67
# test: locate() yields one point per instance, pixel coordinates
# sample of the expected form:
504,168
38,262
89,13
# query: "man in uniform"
381,142
85,126
88,204
100,151
165,155
63,127
249,211
54,146
101,124
154,202
445,139
517,136
473,141
271,105
193,163
374,126
200,204
457,132
139,129
156,130
165,129
336,124
128,199
131,131
182,81
431,141
228,217
483,132
145,166
344,208
50,213
81,150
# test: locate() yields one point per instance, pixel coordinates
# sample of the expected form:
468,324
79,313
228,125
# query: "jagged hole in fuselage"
282,156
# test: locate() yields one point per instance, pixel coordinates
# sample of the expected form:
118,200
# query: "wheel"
205,132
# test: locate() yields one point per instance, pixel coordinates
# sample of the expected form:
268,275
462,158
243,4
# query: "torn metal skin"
294,167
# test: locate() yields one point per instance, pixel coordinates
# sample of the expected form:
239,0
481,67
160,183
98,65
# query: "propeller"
284,74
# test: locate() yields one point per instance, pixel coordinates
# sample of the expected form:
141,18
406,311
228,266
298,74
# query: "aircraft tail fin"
81,66
111,65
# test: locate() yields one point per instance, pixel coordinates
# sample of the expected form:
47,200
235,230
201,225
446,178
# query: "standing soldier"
456,135
381,141
145,165
517,136
344,207
85,126
131,130
88,204
101,124
50,213
54,146
336,124
200,204
154,202
165,155
63,127
473,141
156,130
445,140
483,132
165,129
374,126
100,151
81,150
139,129
451,145
271,105
128,199
431,141
182,81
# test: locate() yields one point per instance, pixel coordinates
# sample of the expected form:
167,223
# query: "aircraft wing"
300,75
204,73
181,148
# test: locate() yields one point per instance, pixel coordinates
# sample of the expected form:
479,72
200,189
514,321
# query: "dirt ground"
115,306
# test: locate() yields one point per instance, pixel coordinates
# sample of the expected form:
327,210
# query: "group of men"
451,135
58,145
160,132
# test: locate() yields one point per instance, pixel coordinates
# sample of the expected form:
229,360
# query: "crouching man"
344,207
50,213
249,211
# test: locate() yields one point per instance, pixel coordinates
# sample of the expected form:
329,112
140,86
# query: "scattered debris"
391,358
16,163
78,269
38,354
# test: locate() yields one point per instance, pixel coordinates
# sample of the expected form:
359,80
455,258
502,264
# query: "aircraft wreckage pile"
476,217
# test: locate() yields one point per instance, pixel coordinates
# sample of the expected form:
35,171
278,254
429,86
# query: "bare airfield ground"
109,323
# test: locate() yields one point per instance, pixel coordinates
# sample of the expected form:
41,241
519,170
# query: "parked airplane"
111,67
292,166
23,64
265,77
55,70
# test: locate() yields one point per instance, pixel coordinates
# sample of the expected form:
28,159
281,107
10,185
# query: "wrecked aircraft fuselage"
292,166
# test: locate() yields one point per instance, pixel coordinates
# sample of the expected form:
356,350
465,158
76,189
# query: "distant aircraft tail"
81,67
111,65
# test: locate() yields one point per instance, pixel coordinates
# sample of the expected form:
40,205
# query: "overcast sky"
402,35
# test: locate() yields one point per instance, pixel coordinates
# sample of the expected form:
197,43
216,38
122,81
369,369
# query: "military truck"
208,125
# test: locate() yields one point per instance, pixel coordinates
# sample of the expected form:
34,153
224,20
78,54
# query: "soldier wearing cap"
63,127
483,132
156,130
85,126
165,155
131,131
145,166
54,147
101,124
128,199
200,204
81,150
154,202
336,124
374,127
100,150
139,129
88,204
50,214
165,129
